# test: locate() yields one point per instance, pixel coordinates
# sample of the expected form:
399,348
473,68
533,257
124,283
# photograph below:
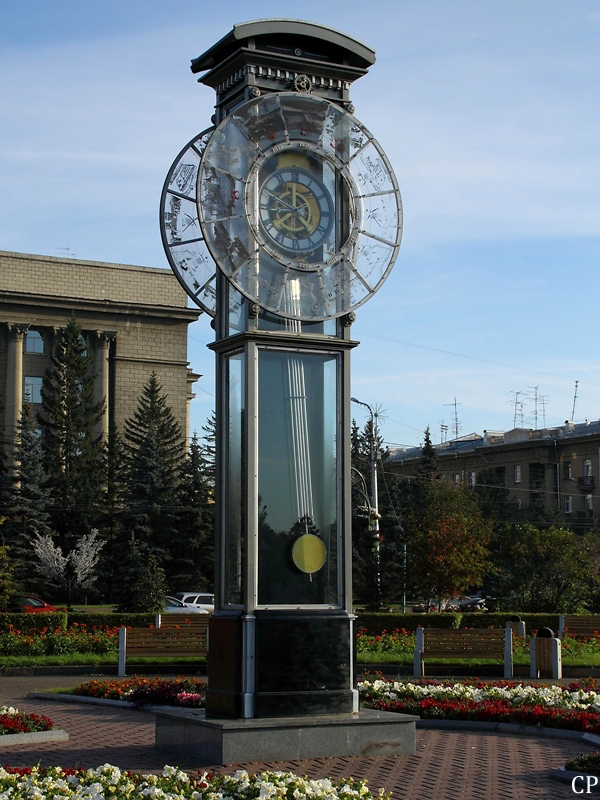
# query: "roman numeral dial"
296,211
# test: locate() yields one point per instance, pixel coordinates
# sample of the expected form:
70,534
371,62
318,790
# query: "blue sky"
489,113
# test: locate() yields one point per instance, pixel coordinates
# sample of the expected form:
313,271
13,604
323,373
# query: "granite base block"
189,734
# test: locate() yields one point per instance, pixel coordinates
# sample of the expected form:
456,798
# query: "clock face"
296,210
299,206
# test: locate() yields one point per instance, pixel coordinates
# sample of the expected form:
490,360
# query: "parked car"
175,606
31,604
198,600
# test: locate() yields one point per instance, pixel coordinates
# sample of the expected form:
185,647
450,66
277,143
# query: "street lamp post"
374,511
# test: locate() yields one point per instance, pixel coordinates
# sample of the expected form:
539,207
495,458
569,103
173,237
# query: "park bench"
463,643
171,638
579,625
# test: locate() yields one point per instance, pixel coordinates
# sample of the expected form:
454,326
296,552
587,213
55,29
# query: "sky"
490,115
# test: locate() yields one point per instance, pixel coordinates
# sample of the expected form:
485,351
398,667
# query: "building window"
568,504
456,478
34,342
587,468
589,502
567,469
472,480
517,473
33,389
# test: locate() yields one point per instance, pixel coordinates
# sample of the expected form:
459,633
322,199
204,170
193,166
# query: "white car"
175,606
203,600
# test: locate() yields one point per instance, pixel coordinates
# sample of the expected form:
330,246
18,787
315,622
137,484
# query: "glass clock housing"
299,206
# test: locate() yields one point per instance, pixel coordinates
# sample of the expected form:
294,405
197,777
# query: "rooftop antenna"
443,432
67,251
516,394
574,400
455,404
535,406
542,398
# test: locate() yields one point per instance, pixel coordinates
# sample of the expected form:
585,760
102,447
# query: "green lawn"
88,659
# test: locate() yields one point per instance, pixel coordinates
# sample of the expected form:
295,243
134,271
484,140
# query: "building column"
14,385
101,383
192,377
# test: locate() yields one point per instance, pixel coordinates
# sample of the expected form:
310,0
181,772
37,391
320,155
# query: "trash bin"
545,655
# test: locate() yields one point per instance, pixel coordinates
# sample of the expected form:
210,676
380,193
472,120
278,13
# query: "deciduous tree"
73,571
449,539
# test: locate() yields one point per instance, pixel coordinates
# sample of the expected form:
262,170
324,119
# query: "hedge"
374,623
116,619
377,623
28,623
61,619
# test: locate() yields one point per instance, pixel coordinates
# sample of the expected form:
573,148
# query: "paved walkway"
447,765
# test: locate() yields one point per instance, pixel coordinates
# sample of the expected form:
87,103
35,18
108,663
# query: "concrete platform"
189,734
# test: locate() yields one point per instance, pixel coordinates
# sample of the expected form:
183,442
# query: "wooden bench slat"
576,625
447,643
164,641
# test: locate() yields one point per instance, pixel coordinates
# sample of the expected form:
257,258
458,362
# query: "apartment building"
556,466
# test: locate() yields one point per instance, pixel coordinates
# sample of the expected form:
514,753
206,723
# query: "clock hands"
299,210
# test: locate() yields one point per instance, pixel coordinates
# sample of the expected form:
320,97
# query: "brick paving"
448,765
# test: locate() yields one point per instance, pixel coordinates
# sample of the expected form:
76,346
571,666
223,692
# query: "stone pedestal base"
188,734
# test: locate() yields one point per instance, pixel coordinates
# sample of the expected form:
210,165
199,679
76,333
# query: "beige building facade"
557,467
135,319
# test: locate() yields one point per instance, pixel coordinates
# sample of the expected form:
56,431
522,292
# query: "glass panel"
180,219
183,177
230,243
297,478
304,116
238,306
373,260
371,172
230,150
343,135
234,499
380,216
220,194
262,121
196,270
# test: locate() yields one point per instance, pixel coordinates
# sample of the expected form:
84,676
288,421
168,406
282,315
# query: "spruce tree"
143,587
5,482
194,560
30,498
208,448
153,451
73,453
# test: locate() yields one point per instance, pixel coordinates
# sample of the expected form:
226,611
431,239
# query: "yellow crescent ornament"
309,553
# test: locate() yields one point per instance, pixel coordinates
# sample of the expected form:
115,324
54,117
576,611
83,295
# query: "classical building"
135,318
556,466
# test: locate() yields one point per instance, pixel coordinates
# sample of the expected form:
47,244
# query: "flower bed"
46,783
58,641
588,764
13,721
576,707
182,691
